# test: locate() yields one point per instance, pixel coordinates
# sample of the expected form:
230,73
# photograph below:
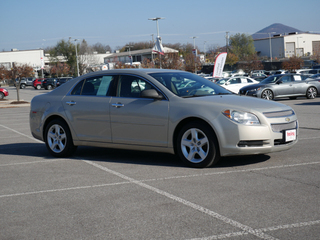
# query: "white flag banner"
42,63
219,65
158,46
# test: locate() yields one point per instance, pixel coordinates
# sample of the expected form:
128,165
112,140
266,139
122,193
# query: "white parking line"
62,189
234,234
229,221
128,180
20,133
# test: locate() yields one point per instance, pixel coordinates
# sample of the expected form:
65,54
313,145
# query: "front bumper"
237,139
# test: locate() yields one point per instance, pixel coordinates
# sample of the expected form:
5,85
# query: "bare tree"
18,72
192,63
292,64
250,63
100,48
172,61
60,69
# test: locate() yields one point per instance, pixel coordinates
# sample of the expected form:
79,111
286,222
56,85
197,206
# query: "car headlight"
254,90
244,118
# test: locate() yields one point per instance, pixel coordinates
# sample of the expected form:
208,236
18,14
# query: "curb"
13,104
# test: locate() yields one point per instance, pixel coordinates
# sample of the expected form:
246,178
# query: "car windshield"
185,84
271,79
222,81
315,76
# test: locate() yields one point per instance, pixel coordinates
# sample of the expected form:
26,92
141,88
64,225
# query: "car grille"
279,114
283,126
255,143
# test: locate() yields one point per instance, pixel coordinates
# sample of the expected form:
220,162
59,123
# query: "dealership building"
285,46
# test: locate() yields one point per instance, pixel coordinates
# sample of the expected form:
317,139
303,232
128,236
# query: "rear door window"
94,86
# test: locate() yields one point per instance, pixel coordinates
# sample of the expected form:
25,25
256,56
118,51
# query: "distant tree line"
240,49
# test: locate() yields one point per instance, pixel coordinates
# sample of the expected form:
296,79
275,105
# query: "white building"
135,56
34,58
285,46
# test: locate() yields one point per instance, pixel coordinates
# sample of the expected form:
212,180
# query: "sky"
34,24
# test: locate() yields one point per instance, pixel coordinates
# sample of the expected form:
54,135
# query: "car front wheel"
1,95
197,145
312,93
267,94
22,86
49,87
58,139
38,87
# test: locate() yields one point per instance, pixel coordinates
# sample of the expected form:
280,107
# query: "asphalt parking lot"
115,194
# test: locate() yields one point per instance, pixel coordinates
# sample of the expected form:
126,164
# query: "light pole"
204,50
130,57
156,19
270,46
158,35
75,40
227,41
195,53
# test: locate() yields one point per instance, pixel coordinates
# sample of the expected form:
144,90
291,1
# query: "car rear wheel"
267,94
38,87
311,93
58,139
1,95
197,145
22,86
49,87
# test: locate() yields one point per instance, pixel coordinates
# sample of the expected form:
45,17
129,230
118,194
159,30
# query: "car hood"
242,103
253,86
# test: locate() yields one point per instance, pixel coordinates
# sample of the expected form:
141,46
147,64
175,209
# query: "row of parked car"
290,85
37,83
46,83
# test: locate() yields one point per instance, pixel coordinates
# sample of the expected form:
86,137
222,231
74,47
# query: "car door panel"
89,116
87,108
139,121
135,120
285,87
299,86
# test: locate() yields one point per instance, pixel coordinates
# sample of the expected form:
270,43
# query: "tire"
1,95
22,86
38,87
49,87
58,139
267,94
311,93
197,145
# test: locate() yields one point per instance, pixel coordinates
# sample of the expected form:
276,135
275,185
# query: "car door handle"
71,103
117,105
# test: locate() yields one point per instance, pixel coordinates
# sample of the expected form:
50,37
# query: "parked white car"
234,84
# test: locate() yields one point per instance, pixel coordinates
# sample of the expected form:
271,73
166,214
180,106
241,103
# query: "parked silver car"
160,110
283,85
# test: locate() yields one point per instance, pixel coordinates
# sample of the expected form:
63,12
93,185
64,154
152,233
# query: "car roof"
134,71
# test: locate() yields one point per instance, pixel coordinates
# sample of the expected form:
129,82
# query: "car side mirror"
279,82
151,93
